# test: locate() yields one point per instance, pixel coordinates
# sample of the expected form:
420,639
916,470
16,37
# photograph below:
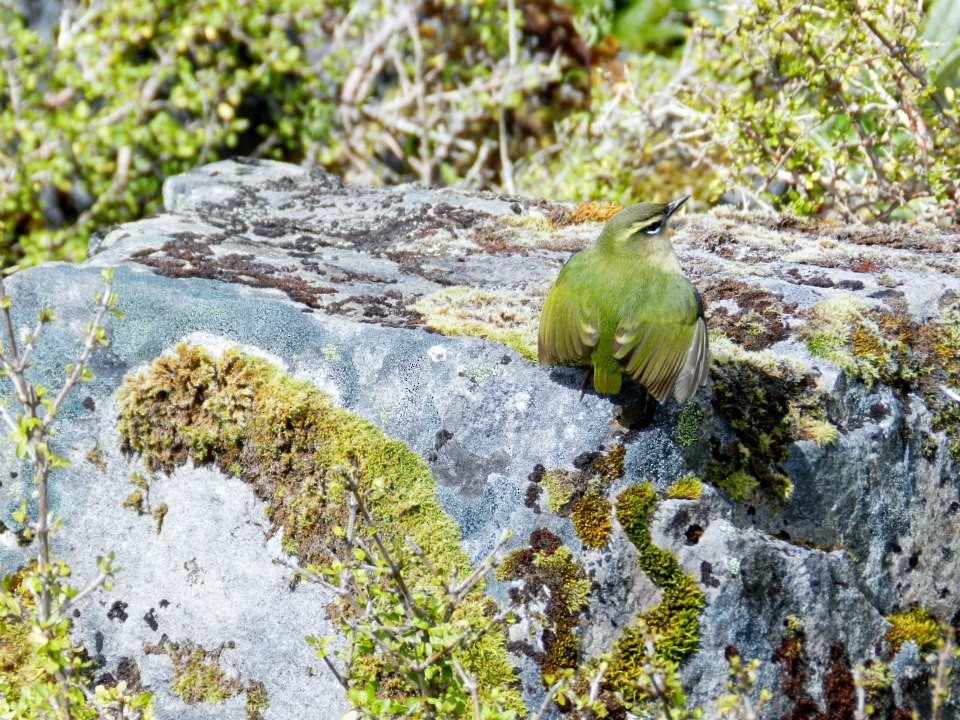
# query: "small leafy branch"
38,599
405,628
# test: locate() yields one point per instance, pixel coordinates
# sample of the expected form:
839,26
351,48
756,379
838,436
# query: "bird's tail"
607,380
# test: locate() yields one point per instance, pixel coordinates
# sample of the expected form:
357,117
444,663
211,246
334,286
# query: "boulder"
826,444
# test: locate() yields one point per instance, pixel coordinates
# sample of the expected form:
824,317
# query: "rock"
828,448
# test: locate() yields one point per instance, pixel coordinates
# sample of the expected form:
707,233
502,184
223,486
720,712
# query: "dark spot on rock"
730,652
531,498
128,671
89,404
538,472
76,613
914,560
118,611
543,540
895,547
820,281
850,284
878,411
442,438
586,459
151,619
693,534
164,603
954,506
707,577
506,360
517,208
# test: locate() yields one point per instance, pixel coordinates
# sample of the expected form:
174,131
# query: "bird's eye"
653,229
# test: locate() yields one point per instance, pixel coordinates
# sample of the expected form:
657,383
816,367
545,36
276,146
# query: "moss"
820,432
198,677
548,564
674,620
159,513
593,212
738,484
913,625
592,474
686,488
292,446
867,344
688,424
257,700
768,403
560,486
591,520
502,316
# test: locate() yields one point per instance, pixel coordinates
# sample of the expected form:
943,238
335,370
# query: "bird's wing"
666,349
569,328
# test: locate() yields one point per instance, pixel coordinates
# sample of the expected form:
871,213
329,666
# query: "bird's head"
639,221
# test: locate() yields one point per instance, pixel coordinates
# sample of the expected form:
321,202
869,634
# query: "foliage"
407,644
127,94
830,105
42,674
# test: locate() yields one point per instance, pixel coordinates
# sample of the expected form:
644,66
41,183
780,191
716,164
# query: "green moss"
293,447
502,316
159,513
675,619
867,345
915,625
591,520
738,484
560,486
686,488
198,677
688,424
548,563
257,700
768,403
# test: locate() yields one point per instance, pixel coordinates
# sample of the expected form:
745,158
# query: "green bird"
624,306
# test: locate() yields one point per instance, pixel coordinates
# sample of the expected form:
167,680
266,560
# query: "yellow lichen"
508,317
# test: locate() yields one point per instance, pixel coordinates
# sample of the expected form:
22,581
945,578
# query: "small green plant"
798,113
913,625
48,676
686,488
405,625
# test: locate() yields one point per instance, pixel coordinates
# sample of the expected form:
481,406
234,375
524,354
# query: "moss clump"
674,620
688,424
591,520
548,564
593,472
686,488
593,212
913,625
257,700
286,439
198,677
502,316
560,486
762,399
738,484
866,344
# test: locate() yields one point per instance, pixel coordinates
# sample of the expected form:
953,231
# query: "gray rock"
321,278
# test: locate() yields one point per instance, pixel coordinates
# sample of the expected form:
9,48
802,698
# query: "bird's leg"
587,372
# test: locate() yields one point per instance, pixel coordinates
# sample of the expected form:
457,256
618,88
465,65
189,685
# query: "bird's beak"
675,205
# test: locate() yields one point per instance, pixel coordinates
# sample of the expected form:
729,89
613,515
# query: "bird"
622,306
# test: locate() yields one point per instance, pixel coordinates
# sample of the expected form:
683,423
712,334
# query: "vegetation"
771,99
42,674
